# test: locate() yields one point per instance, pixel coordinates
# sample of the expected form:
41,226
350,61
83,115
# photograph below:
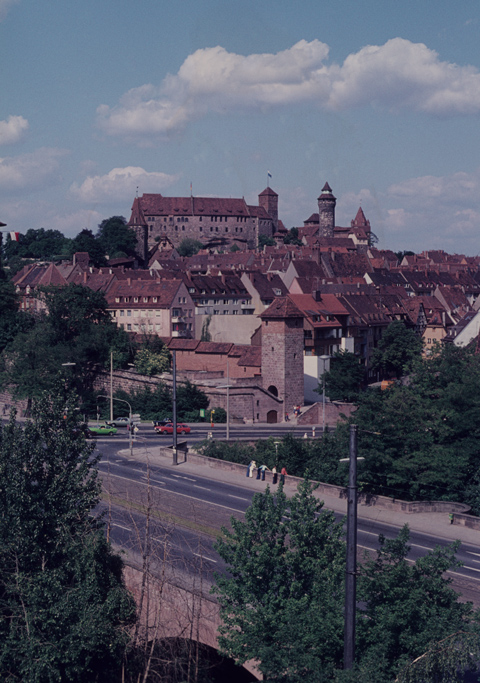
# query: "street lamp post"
324,360
174,406
351,560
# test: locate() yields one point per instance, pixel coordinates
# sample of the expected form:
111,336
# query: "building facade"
216,222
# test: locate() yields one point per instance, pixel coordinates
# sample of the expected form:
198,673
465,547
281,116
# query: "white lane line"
184,495
472,569
155,481
204,488
230,495
209,559
182,476
470,552
126,528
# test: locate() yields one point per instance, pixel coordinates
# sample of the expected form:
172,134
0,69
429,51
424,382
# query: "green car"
101,430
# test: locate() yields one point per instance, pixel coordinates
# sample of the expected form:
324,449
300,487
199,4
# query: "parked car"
120,422
100,430
167,428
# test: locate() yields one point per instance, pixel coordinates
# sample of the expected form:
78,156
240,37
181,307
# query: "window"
129,314
122,313
129,327
117,299
135,299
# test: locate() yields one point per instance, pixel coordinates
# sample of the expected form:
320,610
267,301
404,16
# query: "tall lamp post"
324,360
351,563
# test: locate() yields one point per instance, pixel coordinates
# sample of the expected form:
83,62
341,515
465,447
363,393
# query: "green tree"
265,241
189,247
292,237
114,237
150,363
64,610
407,607
344,379
37,244
86,241
397,350
76,328
282,601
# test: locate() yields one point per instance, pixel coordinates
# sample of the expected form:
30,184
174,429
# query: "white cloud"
5,6
399,74
12,130
428,212
121,183
31,172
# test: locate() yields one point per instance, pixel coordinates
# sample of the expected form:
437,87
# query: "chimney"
129,281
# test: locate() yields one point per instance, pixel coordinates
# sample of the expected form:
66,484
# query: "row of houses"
345,303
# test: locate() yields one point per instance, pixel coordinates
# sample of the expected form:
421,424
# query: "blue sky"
379,98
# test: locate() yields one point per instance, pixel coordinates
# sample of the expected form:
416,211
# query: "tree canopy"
114,237
344,379
397,350
189,247
76,328
64,609
282,600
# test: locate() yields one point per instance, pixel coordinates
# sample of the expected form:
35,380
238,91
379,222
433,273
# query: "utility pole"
351,568
174,397
111,386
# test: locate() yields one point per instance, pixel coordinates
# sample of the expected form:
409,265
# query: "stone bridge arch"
177,612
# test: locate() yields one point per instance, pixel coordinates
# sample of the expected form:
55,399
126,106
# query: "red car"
168,428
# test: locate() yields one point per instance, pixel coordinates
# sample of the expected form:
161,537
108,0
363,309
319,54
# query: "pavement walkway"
431,523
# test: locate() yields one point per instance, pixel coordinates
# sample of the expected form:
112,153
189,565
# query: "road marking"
209,559
181,476
230,495
184,495
126,528
466,569
470,552
155,481
204,488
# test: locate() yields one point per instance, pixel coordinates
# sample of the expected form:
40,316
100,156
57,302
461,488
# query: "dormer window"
117,299
145,299
155,299
135,299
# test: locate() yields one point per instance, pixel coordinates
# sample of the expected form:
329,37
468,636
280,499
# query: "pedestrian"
259,472
274,475
263,469
283,474
248,468
287,419
253,464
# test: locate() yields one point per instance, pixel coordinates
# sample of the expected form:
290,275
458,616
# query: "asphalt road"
205,505
202,430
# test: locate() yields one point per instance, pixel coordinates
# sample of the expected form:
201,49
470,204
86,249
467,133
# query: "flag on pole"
269,174
14,236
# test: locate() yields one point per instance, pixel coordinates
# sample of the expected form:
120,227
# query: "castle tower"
139,225
282,353
268,200
326,212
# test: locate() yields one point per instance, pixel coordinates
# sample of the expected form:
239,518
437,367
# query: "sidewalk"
435,523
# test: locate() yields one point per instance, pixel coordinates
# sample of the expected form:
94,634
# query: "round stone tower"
326,212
